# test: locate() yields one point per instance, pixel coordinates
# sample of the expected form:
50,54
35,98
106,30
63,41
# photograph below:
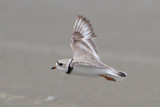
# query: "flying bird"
86,60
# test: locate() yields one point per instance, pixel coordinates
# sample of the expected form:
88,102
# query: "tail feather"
122,74
114,75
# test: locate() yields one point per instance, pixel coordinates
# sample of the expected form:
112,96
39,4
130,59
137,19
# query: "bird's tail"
122,74
113,75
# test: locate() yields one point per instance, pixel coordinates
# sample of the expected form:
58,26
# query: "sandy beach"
35,34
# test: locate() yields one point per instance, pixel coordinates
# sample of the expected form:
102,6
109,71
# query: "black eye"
60,64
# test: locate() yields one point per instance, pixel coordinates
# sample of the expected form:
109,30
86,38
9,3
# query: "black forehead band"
58,62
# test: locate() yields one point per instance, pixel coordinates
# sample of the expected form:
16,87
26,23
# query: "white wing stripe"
86,29
87,32
83,35
82,29
76,29
79,25
91,48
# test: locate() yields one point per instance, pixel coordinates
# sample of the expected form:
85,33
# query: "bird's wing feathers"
82,40
87,62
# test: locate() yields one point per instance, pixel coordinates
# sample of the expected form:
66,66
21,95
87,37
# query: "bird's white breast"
87,71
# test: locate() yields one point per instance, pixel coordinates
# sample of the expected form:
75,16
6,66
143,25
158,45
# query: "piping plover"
86,60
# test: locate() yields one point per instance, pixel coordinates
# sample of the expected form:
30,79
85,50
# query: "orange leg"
108,78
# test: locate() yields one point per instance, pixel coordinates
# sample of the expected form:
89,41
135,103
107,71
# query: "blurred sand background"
34,34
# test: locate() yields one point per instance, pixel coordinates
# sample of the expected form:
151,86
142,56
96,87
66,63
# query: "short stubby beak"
54,67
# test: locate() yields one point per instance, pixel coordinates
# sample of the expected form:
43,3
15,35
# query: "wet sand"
35,34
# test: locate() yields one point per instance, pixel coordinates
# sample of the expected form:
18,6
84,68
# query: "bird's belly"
87,71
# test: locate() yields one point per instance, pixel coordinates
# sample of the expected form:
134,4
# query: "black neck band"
69,68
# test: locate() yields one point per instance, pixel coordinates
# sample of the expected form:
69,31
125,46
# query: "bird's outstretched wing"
84,48
82,42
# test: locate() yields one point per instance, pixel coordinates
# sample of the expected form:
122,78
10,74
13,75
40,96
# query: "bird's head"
62,65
